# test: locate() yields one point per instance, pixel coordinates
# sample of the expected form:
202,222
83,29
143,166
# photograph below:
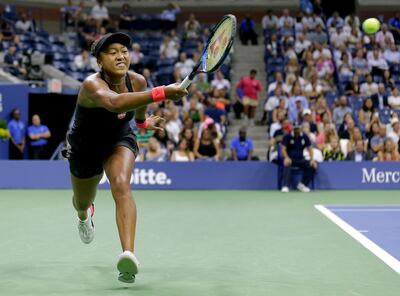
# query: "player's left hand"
153,122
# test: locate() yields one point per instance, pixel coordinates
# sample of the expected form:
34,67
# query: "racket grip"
185,83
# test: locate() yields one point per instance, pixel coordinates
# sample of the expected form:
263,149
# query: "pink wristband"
158,94
142,125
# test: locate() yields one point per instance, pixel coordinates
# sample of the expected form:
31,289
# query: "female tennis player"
101,140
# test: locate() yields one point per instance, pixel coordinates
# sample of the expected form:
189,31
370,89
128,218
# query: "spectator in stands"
286,30
247,31
7,33
189,134
369,87
273,101
279,81
183,67
339,37
360,63
251,87
219,82
353,86
24,24
297,103
281,109
332,151
273,47
85,62
354,37
13,61
394,132
166,144
377,64
321,109
218,115
292,67
335,20
70,14
307,117
293,145
394,26
346,129
366,113
311,23
183,152
169,14
380,98
359,153
325,65
126,17
392,54
192,27
377,141
340,110
394,99
202,83
301,44
389,151
285,18
269,21
241,146
206,148
194,111
173,124
136,57
169,48
319,36
100,14
17,132
352,20
38,135
154,151
355,135
384,37
149,78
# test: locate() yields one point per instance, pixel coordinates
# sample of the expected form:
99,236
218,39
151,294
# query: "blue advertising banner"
207,175
147,175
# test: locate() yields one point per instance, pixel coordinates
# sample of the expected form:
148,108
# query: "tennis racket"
216,50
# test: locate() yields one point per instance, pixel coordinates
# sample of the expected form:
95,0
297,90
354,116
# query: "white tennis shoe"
86,228
285,189
128,267
303,188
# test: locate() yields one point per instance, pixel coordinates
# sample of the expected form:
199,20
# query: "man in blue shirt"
292,146
247,31
17,132
38,134
241,147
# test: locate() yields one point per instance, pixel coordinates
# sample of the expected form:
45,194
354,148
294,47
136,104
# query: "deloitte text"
145,177
381,177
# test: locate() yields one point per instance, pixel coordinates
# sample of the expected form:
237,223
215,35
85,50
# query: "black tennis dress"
94,134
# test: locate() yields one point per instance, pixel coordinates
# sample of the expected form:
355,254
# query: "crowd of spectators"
336,83
195,128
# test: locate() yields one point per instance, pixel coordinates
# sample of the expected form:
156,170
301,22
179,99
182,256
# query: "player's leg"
84,195
118,168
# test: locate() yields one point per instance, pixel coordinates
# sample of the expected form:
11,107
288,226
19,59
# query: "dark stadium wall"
12,96
55,111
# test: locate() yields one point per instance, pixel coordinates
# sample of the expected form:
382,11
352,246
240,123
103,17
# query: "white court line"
365,210
366,242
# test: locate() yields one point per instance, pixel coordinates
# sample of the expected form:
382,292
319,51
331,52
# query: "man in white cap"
394,128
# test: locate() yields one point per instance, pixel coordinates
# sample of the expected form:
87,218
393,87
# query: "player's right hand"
174,92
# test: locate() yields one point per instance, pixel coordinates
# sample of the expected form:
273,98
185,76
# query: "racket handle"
185,83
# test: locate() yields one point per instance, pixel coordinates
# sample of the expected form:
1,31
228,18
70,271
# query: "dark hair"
364,106
253,71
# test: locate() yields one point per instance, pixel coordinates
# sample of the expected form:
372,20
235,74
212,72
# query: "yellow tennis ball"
371,25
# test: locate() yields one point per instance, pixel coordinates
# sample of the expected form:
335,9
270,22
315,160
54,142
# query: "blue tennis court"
377,227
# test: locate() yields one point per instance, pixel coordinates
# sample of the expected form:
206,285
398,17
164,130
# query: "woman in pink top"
250,87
